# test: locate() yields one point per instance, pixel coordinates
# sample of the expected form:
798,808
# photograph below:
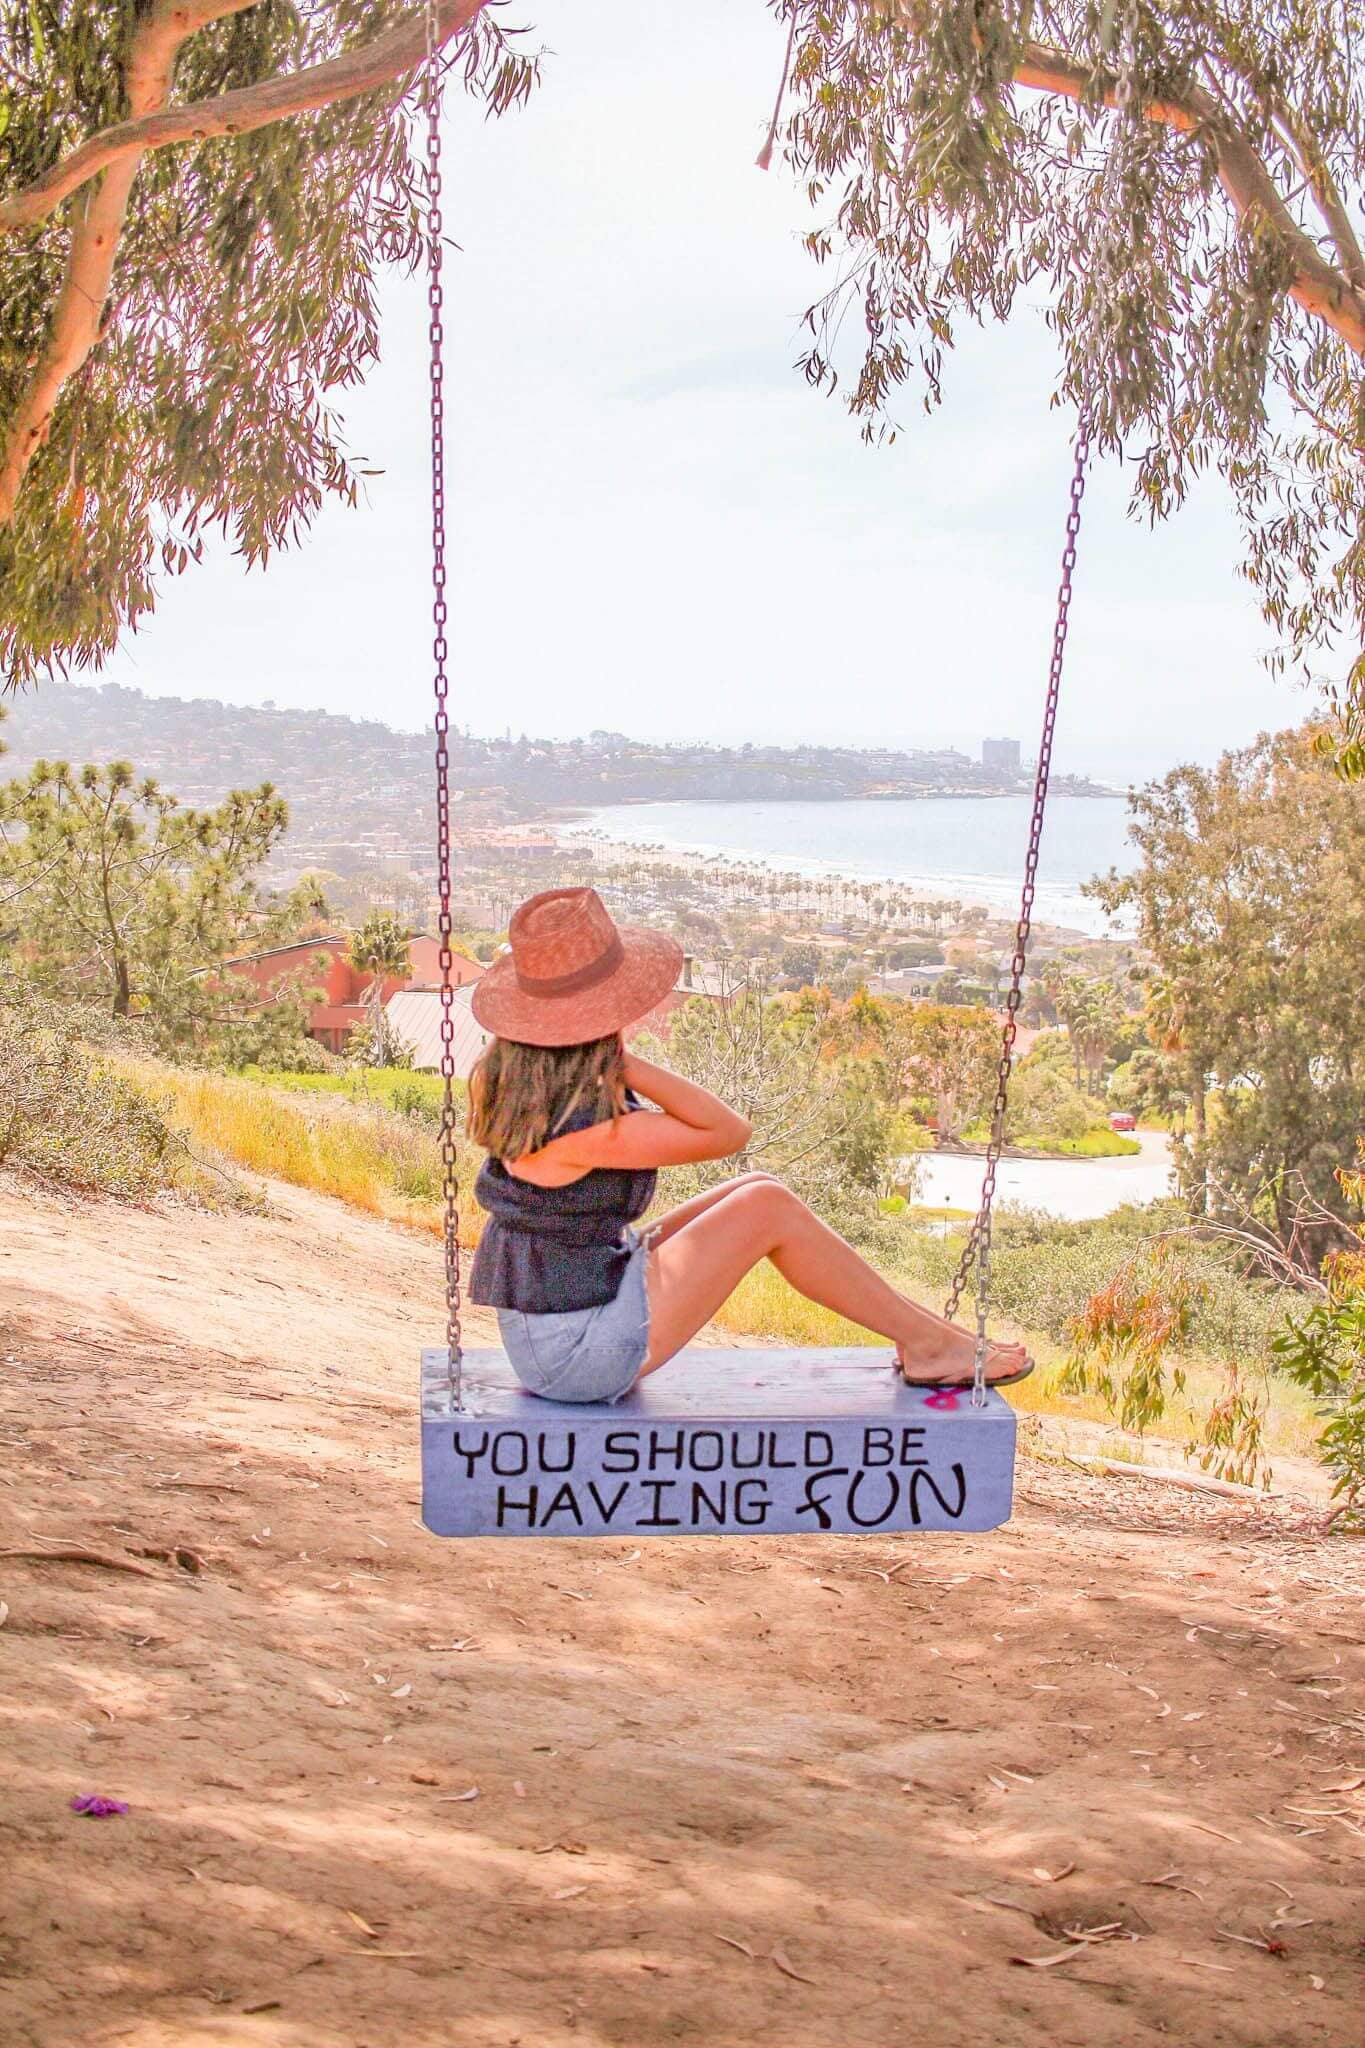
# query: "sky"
657,527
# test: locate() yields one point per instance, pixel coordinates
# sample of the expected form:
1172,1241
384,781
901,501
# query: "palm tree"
379,948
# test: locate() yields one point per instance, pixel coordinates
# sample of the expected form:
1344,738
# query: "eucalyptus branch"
1330,295
78,320
153,49
240,112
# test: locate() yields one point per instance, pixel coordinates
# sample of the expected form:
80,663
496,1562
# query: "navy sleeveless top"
546,1251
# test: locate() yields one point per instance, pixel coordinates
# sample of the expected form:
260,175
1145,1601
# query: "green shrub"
1045,1106
1324,1352
1100,1143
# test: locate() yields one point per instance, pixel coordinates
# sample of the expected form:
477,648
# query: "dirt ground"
391,1793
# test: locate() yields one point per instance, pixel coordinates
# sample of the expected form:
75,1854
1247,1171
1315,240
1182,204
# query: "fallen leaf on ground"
574,1891
458,1798
1052,1876
4,1612
363,1925
400,1692
787,1966
1065,1955
742,1946
1171,1882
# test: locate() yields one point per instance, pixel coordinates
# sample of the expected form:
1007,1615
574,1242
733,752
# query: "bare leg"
673,1220
693,1272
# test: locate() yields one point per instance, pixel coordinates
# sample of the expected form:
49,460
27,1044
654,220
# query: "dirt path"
815,1793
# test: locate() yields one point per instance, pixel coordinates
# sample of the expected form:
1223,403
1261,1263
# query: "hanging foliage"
1198,258
197,198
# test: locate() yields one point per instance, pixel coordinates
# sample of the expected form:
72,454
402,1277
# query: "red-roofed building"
324,965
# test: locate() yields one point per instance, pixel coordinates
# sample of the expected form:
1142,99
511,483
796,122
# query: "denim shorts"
583,1354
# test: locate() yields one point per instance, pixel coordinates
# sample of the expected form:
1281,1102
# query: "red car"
1122,1121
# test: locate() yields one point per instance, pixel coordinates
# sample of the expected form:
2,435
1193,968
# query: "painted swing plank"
720,1443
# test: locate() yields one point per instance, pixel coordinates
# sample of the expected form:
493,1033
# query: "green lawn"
391,1087
1097,1143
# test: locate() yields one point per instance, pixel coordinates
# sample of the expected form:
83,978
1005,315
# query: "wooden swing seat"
719,1443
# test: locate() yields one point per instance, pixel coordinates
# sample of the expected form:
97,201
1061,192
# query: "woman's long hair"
521,1095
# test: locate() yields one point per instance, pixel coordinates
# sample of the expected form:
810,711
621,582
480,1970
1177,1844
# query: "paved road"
1070,1188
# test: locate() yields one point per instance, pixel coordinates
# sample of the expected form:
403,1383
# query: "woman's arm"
688,1102
694,1124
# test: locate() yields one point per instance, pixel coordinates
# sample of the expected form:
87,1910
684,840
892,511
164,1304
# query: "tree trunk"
122,987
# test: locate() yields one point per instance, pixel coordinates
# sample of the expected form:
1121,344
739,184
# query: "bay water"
964,849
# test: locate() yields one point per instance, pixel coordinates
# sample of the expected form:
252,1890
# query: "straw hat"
571,973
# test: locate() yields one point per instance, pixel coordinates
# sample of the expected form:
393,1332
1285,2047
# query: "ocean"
966,848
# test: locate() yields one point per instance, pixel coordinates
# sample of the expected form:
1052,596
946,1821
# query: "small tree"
1043,1105
950,1053
1092,1011
815,1121
1324,1351
111,889
1250,895
379,948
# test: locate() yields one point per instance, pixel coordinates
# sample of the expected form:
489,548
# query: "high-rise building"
1003,754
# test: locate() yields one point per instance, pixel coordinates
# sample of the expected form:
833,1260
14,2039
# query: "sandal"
1004,1379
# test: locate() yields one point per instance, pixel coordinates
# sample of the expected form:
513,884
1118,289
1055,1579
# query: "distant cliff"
348,778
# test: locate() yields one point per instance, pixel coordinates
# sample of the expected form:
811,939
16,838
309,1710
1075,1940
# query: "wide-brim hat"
571,973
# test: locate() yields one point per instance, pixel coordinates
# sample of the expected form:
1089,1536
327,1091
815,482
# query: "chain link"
977,1251
439,650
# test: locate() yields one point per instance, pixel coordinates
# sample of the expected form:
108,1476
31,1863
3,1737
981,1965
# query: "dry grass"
369,1158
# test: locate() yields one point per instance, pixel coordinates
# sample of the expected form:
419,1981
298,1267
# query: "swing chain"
440,649
977,1251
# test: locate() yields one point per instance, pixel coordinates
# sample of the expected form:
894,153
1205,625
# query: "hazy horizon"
1117,766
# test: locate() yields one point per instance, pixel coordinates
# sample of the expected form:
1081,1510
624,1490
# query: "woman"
584,1305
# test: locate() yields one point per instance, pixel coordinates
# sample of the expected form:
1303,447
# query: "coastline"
808,876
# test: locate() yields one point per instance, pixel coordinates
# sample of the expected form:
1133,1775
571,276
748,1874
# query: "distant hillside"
357,788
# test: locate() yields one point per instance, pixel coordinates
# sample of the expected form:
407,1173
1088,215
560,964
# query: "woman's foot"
946,1357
